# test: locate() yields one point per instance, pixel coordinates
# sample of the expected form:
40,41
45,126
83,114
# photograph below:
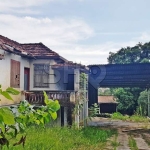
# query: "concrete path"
125,130
141,144
123,141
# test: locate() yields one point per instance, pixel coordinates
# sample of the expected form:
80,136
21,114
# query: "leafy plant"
7,92
94,110
15,120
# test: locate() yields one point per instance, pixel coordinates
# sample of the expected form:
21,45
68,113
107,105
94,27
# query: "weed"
138,118
114,143
132,143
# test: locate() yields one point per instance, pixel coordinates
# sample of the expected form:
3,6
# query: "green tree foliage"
137,54
105,92
143,103
125,99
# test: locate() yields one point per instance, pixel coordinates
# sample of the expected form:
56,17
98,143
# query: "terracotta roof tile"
8,44
106,99
70,64
34,50
39,50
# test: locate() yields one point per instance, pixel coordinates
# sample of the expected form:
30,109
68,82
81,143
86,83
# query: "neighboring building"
107,104
33,68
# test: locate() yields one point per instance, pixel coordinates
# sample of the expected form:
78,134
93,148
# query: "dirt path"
131,136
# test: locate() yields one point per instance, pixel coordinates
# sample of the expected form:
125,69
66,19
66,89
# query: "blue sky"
80,30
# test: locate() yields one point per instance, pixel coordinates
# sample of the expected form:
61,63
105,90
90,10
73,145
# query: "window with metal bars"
41,75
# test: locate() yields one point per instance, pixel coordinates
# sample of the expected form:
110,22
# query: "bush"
119,116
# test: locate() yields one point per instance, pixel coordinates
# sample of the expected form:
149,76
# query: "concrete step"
123,141
141,144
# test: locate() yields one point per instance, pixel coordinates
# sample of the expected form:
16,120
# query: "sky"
82,31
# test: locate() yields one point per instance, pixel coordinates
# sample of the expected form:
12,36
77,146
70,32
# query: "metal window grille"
41,75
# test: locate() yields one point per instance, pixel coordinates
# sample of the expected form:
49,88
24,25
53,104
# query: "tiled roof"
39,50
106,99
34,50
9,45
70,64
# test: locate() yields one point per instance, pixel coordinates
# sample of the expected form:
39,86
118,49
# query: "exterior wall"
5,69
108,107
5,66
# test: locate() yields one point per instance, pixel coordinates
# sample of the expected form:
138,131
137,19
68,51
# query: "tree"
137,54
140,53
125,100
104,92
143,103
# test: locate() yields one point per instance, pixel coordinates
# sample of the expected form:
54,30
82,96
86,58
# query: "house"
107,104
33,68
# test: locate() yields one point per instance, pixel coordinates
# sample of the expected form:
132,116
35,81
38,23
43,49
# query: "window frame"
43,73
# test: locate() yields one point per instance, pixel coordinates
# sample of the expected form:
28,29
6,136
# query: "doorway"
26,79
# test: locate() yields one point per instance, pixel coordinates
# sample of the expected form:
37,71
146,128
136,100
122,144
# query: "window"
41,75
15,74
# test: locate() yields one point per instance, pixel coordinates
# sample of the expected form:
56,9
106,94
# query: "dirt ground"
139,133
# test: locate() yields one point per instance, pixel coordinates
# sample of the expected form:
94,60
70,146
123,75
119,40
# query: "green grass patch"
57,138
119,116
138,118
114,143
133,118
132,143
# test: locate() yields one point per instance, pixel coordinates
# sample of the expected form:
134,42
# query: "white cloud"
52,31
62,36
92,54
21,3
145,36
57,34
21,6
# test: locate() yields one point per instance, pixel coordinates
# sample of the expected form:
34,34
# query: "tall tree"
137,54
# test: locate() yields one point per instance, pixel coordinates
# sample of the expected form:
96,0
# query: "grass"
133,118
138,118
56,138
132,143
114,143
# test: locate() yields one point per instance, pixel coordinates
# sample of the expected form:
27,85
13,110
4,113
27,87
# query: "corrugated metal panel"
123,75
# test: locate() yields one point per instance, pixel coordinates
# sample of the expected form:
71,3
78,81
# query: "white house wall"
5,67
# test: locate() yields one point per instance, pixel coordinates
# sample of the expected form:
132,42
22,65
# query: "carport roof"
121,75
